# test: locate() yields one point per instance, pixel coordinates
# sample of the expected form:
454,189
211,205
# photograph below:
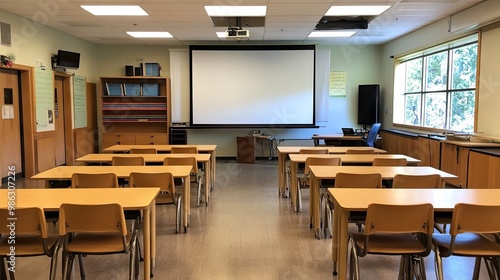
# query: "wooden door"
10,123
59,121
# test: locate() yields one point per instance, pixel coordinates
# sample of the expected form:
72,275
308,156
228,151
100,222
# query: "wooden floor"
247,232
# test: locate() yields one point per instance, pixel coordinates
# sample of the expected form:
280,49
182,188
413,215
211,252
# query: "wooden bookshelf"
134,110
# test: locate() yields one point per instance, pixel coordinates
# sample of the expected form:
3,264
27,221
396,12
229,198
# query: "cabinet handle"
117,143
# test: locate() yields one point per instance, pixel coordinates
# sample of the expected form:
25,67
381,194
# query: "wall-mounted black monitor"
368,103
68,59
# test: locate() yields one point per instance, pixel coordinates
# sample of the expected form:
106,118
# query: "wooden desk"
284,151
347,200
388,172
66,172
129,198
155,158
166,149
347,159
336,137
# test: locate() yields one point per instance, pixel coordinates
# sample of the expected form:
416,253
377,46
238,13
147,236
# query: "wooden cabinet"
455,160
134,110
483,171
425,149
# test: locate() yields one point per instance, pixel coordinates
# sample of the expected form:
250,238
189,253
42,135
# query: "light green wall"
34,42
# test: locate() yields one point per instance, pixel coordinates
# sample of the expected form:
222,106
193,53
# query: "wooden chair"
184,150
360,151
90,180
164,181
126,161
404,230
301,166
432,181
189,161
142,151
96,230
389,162
306,181
474,232
352,180
31,238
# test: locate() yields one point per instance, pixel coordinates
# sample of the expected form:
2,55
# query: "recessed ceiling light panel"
357,10
114,10
149,34
236,11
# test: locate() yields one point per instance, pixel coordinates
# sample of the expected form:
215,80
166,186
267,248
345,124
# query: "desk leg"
147,242
153,235
186,197
281,174
293,186
339,242
212,169
314,207
208,179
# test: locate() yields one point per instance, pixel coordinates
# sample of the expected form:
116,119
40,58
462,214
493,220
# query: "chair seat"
468,244
28,245
390,244
100,243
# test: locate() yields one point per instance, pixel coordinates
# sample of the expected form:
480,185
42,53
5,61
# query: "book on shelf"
152,69
114,89
150,89
132,89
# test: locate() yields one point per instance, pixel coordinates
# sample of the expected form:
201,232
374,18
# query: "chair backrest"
360,151
127,161
184,150
162,180
28,221
417,181
190,161
475,218
92,218
389,162
356,180
142,151
99,180
312,161
372,135
313,151
385,218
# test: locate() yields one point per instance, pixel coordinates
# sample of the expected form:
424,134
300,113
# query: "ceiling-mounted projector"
236,34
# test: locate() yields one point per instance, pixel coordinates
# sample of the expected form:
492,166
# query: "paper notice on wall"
338,83
7,112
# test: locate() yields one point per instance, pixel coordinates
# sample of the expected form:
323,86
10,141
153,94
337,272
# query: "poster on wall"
338,83
80,101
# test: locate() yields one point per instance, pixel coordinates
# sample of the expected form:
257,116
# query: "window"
436,88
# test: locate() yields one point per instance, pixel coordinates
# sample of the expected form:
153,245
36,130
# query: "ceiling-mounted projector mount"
236,32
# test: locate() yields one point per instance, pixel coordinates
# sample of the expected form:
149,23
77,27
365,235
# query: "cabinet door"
151,139
483,171
110,139
454,160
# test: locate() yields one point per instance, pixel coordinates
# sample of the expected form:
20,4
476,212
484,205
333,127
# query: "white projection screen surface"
259,86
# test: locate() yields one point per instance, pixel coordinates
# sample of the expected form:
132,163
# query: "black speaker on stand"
368,104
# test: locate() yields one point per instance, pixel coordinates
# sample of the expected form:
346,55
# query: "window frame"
400,80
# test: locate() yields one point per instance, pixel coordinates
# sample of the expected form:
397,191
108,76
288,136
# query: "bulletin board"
44,92
80,101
